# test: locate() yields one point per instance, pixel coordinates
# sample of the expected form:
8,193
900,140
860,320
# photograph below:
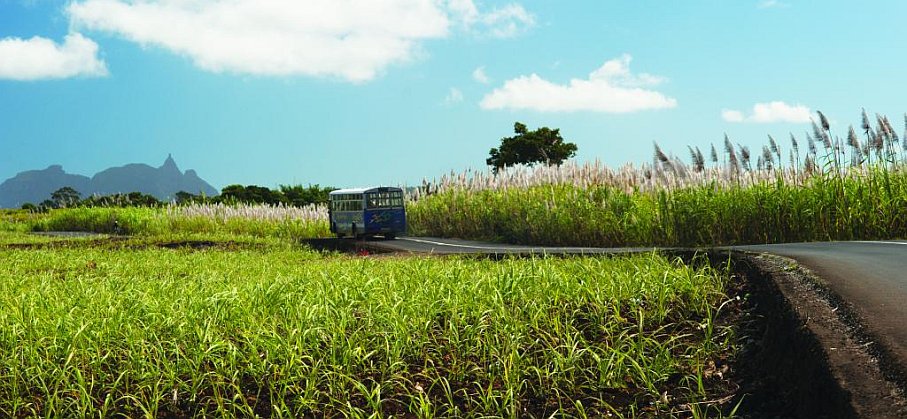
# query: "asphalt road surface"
872,276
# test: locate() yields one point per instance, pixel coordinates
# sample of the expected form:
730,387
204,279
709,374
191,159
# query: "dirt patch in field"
196,244
133,243
64,243
349,246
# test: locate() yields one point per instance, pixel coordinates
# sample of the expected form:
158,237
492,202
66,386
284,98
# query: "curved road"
872,276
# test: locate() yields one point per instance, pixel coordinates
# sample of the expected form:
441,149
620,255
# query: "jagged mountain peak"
169,164
163,182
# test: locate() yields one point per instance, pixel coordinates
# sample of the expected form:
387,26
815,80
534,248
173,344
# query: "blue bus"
367,212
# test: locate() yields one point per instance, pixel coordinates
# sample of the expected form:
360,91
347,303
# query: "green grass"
861,205
289,333
14,220
160,221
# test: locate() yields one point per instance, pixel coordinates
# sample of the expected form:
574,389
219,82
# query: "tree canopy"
294,195
65,197
543,145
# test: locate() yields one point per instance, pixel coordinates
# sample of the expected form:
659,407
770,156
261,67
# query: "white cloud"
769,4
611,88
771,112
453,96
506,22
480,76
349,39
41,58
732,116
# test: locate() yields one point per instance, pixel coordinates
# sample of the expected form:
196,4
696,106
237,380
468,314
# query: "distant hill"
162,182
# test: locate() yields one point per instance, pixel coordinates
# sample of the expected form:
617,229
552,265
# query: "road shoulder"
841,344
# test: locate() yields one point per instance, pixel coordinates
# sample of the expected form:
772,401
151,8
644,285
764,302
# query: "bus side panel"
385,220
345,219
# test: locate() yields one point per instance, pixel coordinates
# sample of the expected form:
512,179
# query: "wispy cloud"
611,88
41,58
480,76
454,95
769,4
505,22
770,112
347,39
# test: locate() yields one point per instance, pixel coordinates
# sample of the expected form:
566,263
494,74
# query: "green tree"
65,197
543,145
132,199
183,197
46,205
298,195
251,194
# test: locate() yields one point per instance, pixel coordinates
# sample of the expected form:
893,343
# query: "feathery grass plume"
793,162
659,155
700,161
825,125
769,161
904,143
679,168
733,164
745,157
888,126
892,134
856,157
760,163
715,152
821,136
809,165
852,140
811,144
795,150
662,159
774,147
878,142
866,125
692,155
698,165
882,127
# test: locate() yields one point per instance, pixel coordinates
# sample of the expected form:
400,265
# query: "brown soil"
807,358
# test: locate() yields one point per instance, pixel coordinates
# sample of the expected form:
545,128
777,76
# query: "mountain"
37,185
162,182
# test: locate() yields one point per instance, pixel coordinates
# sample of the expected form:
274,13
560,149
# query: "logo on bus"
381,217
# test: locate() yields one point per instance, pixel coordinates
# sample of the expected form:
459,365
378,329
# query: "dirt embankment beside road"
806,356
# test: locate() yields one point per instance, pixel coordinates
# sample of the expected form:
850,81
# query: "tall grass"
283,333
14,220
251,220
836,190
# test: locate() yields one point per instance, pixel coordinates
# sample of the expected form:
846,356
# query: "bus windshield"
393,199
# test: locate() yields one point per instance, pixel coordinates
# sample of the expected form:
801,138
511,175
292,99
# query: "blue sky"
325,91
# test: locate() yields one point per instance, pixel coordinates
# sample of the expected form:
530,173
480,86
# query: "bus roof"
366,190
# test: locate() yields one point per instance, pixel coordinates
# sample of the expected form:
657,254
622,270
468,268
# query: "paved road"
872,276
